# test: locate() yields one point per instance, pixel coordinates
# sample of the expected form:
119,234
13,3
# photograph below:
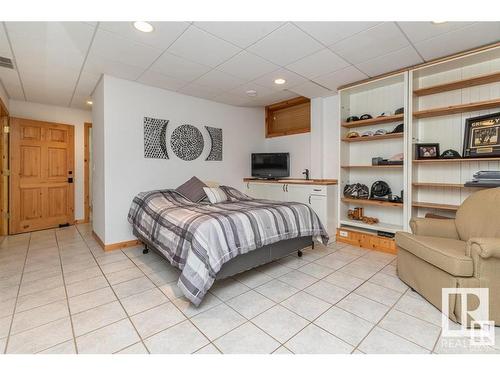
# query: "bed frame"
255,258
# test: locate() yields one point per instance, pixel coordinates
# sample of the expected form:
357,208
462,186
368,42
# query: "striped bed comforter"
198,238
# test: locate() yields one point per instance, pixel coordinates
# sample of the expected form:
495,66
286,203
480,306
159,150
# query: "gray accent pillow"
192,190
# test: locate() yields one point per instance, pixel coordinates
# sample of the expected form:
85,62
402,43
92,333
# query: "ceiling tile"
292,79
392,61
201,47
194,89
164,34
87,83
317,64
371,43
114,47
311,90
242,34
277,96
285,45
99,65
247,66
475,35
329,33
340,77
241,91
4,44
419,31
162,81
179,68
230,99
80,102
219,80
11,82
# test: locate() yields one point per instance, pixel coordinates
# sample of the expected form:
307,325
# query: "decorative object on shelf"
485,179
381,132
369,220
366,116
393,160
358,214
352,119
358,191
399,111
367,133
352,135
427,150
385,114
398,129
187,142
380,190
216,148
155,138
450,154
482,136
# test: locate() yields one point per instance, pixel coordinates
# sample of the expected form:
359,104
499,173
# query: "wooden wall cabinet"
291,116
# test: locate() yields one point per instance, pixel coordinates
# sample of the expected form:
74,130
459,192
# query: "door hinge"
6,129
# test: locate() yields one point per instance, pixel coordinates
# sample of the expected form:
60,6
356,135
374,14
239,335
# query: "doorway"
42,174
4,170
88,163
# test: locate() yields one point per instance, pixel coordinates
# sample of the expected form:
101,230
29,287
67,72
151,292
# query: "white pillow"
215,194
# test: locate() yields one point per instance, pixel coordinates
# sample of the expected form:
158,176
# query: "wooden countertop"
296,181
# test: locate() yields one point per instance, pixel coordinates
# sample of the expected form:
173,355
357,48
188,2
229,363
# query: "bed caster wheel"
145,250
300,253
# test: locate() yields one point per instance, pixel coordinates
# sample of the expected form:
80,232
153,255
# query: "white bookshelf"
355,154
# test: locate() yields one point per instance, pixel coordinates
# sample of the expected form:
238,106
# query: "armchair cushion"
444,253
486,247
444,228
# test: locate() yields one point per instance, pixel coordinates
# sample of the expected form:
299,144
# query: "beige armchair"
462,252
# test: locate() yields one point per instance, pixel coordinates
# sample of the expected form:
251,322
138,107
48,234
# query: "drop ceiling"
60,63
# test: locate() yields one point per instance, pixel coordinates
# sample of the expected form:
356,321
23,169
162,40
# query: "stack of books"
485,179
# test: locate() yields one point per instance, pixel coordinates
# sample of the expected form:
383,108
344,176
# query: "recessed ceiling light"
438,22
280,81
251,93
143,26
89,102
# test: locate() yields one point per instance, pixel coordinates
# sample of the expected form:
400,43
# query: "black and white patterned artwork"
187,142
155,138
216,138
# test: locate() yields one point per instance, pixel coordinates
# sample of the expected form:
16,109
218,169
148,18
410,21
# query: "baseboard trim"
117,245
81,221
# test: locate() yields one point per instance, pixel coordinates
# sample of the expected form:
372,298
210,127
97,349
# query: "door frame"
4,169
86,172
71,203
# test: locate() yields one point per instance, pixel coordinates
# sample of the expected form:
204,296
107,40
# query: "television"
271,165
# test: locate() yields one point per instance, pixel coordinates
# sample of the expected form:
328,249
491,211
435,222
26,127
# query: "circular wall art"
187,142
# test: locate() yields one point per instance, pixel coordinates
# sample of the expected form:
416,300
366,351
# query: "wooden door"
42,174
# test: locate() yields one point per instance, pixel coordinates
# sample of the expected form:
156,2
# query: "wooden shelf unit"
385,227
373,138
371,166
372,202
373,121
438,206
465,160
459,108
459,84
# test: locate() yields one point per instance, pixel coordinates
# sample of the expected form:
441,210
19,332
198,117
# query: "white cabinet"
321,198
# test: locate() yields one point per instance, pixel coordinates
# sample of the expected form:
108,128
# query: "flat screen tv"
271,165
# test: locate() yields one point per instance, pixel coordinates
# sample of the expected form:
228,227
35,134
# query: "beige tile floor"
60,293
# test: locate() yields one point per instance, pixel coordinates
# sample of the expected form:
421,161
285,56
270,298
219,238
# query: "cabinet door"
257,190
297,193
275,192
318,204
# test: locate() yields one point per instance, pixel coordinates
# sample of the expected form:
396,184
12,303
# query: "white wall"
3,96
121,171
64,115
299,147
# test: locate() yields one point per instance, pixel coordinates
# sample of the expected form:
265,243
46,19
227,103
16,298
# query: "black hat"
352,118
399,129
450,154
380,189
366,116
399,111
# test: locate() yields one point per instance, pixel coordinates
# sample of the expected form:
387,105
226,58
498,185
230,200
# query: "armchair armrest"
444,228
485,247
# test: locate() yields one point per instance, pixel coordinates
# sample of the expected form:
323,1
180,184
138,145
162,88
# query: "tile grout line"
17,296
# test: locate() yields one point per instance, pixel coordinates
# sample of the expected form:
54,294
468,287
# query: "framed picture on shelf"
427,150
482,136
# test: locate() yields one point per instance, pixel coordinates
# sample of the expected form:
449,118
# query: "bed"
212,241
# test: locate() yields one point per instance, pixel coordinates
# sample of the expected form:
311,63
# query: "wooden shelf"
456,85
430,161
438,206
452,109
372,121
373,138
438,185
371,202
372,166
379,226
